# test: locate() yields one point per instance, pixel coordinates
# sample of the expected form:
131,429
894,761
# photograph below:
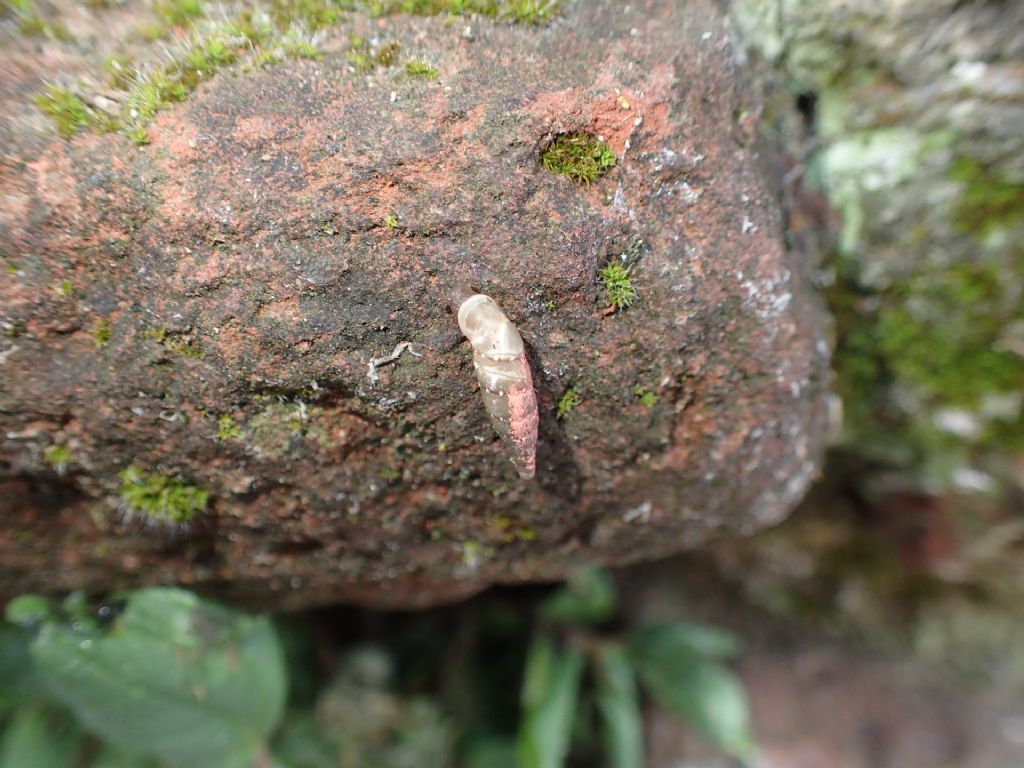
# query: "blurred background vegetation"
163,677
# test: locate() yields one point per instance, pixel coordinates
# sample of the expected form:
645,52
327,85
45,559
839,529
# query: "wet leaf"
36,738
701,691
19,681
176,678
27,610
683,637
587,599
550,690
491,752
110,757
620,709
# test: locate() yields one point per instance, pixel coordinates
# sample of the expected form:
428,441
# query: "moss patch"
418,68
645,397
102,333
31,22
364,57
161,498
227,428
950,346
58,457
567,402
989,200
579,155
939,338
174,342
618,285
177,13
68,112
262,36
518,11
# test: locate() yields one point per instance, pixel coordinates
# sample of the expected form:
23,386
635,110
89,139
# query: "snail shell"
504,375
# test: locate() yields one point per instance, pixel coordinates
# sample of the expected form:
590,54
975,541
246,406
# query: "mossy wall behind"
914,133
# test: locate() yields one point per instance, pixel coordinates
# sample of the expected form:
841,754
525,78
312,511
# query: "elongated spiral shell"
504,375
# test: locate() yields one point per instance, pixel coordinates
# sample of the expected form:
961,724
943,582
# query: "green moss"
989,201
263,36
120,72
937,338
942,335
159,497
102,333
313,14
139,136
298,48
156,333
227,428
618,285
391,221
579,155
31,23
519,11
387,55
529,11
418,68
65,289
68,112
276,428
365,58
646,397
58,457
177,13
567,402
185,348
147,97
173,342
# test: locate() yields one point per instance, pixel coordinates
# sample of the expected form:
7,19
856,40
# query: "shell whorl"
504,375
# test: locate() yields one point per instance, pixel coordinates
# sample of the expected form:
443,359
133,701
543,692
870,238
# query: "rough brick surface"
286,226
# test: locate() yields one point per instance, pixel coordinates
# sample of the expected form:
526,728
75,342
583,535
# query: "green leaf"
683,637
702,692
36,738
299,743
620,709
27,610
19,681
176,678
490,752
587,599
111,757
550,690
